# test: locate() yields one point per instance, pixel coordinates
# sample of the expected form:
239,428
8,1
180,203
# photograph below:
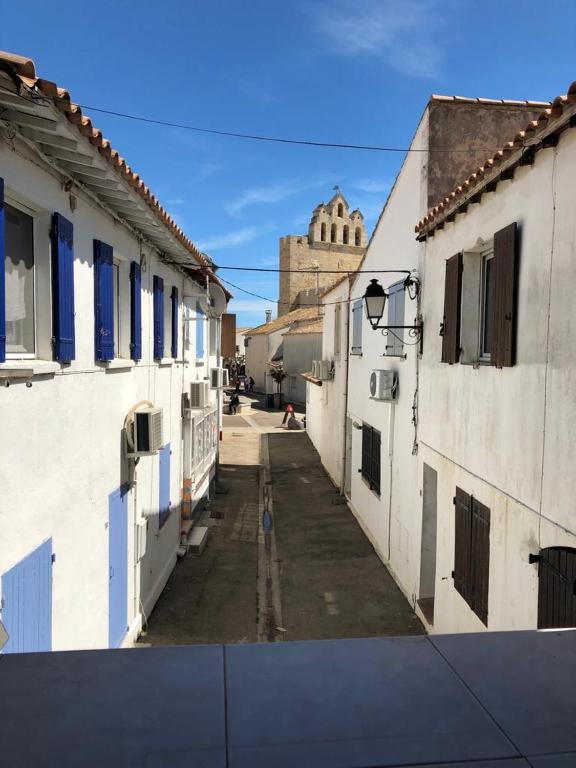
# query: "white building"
382,437
497,391
103,304
265,345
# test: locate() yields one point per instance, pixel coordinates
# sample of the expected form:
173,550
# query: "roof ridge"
483,100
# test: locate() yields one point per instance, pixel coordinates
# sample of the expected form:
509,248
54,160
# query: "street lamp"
375,301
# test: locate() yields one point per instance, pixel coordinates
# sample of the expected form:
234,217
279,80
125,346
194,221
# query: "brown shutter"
480,559
375,477
461,573
451,319
505,297
366,451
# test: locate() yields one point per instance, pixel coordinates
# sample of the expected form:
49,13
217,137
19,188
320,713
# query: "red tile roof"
537,135
25,69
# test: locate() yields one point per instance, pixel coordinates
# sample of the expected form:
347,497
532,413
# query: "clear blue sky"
355,72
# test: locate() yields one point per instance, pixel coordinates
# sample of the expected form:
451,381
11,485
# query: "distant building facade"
336,240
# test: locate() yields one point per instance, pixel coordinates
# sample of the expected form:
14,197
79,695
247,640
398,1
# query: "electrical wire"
281,140
319,271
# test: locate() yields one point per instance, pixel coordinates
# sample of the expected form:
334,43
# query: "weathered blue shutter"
174,298
103,301
158,317
164,484
135,311
2,279
62,239
199,332
395,338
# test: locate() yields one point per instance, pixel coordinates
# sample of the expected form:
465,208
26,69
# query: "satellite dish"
217,300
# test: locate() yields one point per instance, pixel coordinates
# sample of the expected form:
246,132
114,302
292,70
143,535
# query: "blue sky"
335,70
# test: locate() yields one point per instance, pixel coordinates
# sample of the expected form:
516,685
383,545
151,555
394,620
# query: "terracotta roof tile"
315,326
60,97
284,321
562,109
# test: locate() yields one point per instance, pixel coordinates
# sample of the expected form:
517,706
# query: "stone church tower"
336,240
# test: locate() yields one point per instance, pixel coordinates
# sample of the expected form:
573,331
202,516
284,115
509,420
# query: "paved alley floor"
320,571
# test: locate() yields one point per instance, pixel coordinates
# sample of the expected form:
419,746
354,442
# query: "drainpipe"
346,367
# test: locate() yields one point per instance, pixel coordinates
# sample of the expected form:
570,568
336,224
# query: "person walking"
237,386
289,411
234,403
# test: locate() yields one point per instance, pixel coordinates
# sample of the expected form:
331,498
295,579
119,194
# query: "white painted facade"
326,401
300,349
260,350
506,436
61,452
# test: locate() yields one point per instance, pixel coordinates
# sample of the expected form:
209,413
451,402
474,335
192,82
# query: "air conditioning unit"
199,394
146,432
225,377
383,385
323,370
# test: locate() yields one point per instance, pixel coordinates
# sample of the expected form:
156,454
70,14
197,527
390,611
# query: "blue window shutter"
62,239
158,317
199,332
357,328
164,484
103,301
2,279
136,311
174,298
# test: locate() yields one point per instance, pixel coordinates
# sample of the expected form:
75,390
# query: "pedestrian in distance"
234,403
288,411
237,386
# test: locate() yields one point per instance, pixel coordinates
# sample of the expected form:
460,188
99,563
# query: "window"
323,232
19,287
358,236
480,303
486,305
337,327
356,348
340,210
396,300
371,457
158,292
333,233
472,552
199,333
167,321
346,234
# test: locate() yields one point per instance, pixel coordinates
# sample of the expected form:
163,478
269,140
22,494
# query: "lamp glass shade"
375,301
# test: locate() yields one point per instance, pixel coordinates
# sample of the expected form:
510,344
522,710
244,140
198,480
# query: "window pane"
116,273
487,304
19,264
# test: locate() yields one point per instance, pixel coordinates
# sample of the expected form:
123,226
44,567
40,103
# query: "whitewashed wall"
300,349
507,436
60,452
392,521
326,405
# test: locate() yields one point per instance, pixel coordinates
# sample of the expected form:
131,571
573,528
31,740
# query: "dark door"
556,587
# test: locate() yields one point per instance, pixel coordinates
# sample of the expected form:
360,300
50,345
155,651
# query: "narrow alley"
285,558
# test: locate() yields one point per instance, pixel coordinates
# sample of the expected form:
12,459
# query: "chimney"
268,314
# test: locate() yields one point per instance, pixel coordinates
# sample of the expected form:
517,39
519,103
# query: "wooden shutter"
462,529
174,319
479,559
366,451
158,290
103,301
504,308
62,245
375,461
135,311
451,318
357,328
557,588
2,279
395,338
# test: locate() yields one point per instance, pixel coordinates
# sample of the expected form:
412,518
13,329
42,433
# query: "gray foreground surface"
504,700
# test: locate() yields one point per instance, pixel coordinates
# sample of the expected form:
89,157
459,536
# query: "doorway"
117,567
348,463
428,544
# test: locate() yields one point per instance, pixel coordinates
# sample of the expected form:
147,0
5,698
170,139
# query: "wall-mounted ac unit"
199,394
146,432
225,377
383,385
315,368
323,370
